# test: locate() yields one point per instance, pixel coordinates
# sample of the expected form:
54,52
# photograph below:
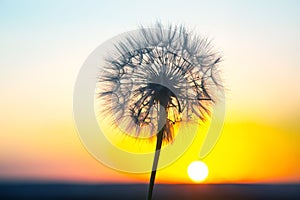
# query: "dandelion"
156,79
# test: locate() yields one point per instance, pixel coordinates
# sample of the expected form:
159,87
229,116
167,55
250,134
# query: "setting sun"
197,171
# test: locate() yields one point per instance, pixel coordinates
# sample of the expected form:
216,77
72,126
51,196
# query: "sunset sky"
43,45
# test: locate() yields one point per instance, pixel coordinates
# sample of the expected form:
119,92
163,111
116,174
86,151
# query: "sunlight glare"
197,171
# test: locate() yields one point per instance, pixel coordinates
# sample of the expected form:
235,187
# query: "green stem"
155,161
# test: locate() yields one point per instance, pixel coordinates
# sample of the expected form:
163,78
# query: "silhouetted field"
47,191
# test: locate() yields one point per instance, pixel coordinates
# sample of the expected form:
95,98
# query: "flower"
157,78
160,68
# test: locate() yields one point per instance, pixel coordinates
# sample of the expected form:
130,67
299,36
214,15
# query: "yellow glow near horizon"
245,153
197,171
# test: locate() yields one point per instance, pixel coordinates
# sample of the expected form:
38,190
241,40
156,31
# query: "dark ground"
47,191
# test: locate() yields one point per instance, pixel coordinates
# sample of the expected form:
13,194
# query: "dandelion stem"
155,162
163,100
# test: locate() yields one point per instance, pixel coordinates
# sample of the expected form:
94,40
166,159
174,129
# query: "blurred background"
44,43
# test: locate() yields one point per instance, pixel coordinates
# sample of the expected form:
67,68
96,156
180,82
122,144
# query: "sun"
197,171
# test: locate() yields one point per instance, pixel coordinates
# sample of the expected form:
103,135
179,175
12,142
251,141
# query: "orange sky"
246,152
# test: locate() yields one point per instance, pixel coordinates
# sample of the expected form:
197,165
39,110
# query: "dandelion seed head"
160,68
